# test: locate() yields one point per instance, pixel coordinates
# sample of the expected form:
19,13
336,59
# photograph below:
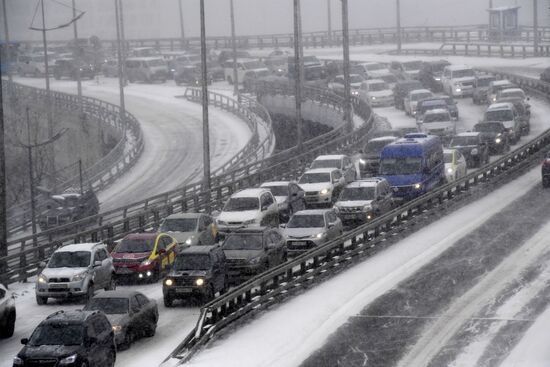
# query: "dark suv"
72,338
253,250
197,271
69,68
495,135
430,74
473,148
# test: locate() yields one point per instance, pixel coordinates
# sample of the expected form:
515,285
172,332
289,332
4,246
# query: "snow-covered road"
172,129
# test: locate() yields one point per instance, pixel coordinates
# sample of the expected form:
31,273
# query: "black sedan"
132,314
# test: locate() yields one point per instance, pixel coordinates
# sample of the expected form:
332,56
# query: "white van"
458,80
146,69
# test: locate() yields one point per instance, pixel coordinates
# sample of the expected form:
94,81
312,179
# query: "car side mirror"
25,341
97,263
264,208
42,264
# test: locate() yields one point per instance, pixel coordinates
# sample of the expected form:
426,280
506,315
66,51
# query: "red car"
144,255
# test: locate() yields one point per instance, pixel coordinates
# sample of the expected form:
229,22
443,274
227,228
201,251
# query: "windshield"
110,306
448,157
461,141
500,115
241,204
192,262
307,221
356,78
400,166
57,334
278,190
489,127
136,245
463,73
66,259
484,82
373,67
420,96
357,193
326,163
243,242
412,65
315,178
179,225
436,117
375,87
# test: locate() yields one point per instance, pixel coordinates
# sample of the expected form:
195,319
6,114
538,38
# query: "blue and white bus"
413,165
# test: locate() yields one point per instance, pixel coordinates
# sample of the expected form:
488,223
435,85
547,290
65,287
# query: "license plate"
184,290
350,216
58,286
299,243
124,271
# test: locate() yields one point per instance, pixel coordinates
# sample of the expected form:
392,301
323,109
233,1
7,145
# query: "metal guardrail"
25,253
269,287
481,49
121,158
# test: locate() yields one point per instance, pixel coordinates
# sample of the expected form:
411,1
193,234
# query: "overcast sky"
159,18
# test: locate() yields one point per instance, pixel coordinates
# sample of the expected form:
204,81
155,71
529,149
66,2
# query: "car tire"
41,300
129,338
111,358
89,292
9,328
151,330
168,301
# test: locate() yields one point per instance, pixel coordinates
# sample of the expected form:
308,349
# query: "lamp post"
3,212
347,84
536,26
329,20
205,129
298,73
398,19
182,30
79,59
234,51
120,62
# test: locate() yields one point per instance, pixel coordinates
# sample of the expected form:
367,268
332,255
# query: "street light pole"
3,211
182,30
298,73
78,58
120,61
205,128
8,48
31,174
398,16
329,13
234,50
122,40
347,84
536,26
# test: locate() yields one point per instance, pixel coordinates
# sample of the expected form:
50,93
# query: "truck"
68,207
413,165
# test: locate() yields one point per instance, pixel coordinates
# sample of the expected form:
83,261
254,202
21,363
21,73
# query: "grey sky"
159,18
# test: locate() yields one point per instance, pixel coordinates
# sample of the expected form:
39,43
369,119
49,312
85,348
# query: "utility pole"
234,51
31,175
536,26
205,129
298,73
8,46
398,16
3,196
120,61
79,59
347,84
182,31
329,13
122,40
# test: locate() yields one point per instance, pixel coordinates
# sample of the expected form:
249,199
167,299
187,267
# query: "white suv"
339,161
458,80
249,208
437,122
322,185
75,270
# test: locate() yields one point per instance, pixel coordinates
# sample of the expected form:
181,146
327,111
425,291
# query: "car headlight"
69,359
189,240
78,277
354,93
498,140
362,161
42,279
251,221
117,328
417,186
474,151
449,170
168,282
146,262
17,361
373,98
199,282
324,191
319,235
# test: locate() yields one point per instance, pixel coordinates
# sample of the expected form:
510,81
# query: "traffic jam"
194,257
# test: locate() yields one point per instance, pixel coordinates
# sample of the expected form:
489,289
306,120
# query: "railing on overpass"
121,158
24,254
272,286
481,49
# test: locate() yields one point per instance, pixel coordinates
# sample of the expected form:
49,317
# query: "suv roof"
329,157
250,193
367,182
500,106
184,215
321,170
469,134
71,316
501,82
312,211
141,236
275,183
436,111
79,247
458,67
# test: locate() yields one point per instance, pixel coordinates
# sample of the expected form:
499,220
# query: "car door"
99,277
136,323
461,164
160,252
338,183
217,275
280,242
106,266
148,310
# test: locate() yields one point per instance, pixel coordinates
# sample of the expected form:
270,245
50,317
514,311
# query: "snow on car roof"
275,183
419,91
469,133
246,193
329,157
321,170
78,247
458,67
501,82
184,215
384,138
500,106
511,90
367,182
312,212
118,293
374,81
436,111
